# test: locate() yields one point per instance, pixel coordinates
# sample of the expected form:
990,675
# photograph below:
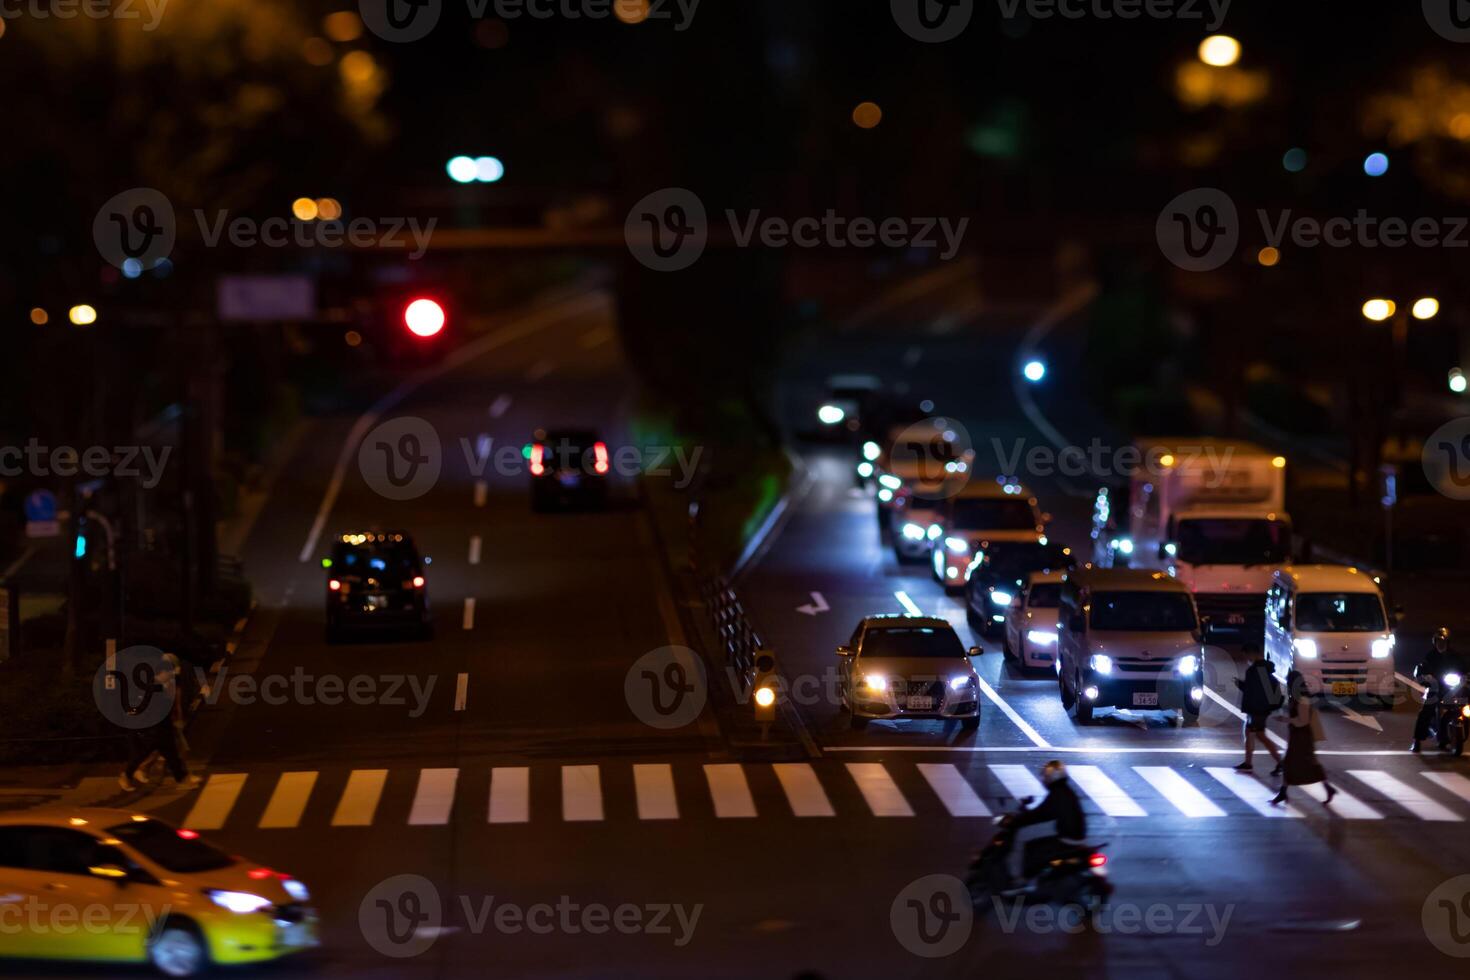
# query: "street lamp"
1219,51
1457,381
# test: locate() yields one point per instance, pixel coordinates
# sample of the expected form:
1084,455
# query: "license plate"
1345,688
1236,619
570,479
1146,700
296,936
920,702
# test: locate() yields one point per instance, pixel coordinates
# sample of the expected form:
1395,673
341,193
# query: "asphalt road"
524,776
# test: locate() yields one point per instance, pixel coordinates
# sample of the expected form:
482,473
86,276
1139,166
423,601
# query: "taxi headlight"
296,890
1101,662
875,682
242,902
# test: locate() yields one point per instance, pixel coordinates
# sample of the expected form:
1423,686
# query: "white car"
1031,620
897,667
1331,624
982,514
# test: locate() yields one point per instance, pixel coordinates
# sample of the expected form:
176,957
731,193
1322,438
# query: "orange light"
599,451
304,208
867,115
334,584
39,316
418,581
538,452
1268,256
424,317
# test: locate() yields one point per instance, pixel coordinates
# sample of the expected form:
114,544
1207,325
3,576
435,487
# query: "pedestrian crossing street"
827,789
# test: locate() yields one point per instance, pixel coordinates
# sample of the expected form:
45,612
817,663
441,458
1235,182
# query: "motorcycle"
1073,876
1452,724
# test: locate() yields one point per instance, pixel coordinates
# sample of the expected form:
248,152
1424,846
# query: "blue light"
489,170
1376,165
132,268
1295,160
1034,371
81,549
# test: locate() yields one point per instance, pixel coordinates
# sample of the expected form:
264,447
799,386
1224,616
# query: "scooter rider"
1060,808
1439,662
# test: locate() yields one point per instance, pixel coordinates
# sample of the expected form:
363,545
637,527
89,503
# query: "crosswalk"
888,790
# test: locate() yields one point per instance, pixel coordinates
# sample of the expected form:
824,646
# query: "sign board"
40,505
1390,476
266,297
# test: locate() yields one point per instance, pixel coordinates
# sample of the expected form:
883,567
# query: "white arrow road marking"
1210,693
908,604
1367,721
817,605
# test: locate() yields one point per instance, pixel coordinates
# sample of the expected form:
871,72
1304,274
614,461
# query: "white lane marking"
1280,742
499,406
360,799
581,793
803,789
289,800
1410,682
1013,715
953,790
216,801
817,605
464,355
1404,795
1019,781
474,549
908,604
434,798
1108,795
482,491
1452,782
1344,804
1089,750
468,622
879,790
461,691
1257,795
510,794
1178,791
729,790
654,784
540,370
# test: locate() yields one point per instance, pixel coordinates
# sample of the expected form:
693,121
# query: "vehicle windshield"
986,514
1017,559
1233,541
909,641
373,558
1142,612
1047,595
1339,612
180,851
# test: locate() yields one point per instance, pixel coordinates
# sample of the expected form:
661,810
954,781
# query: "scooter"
1074,876
1453,721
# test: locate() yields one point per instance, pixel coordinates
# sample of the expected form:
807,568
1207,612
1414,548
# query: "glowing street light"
82,315
1219,51
830,414
1426,308
1034,371
1457,381
424,317
462,170
1379,310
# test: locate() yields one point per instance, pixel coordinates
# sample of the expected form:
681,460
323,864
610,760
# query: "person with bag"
1303,732
1260,697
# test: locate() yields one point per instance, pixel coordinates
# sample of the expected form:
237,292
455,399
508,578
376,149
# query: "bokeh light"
1294,160
304,208
1426,308
1376,165
631,11
328,208
867,115
39,316
316,51
82,315
462,170
1379,310
1269,256
1219,51
343,26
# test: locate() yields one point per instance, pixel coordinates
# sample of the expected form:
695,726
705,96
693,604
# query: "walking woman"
1303,732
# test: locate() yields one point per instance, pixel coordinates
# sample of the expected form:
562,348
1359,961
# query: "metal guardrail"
738,638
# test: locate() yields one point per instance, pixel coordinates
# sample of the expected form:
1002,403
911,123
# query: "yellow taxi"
115,886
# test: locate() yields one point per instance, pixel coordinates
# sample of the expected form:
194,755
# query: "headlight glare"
1041,638
913,532
957,546
1383,648
1306,649
1000,597
875,682
961,682
242,902
1101,662
1188,664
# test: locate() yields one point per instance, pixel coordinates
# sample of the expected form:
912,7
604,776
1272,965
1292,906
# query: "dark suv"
375,580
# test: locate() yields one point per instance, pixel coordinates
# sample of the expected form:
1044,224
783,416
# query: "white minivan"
1330,623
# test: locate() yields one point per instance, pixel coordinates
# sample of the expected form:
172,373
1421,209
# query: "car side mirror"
976,652
844,651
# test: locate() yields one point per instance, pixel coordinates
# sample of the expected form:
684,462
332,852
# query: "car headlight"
1188,664
1452,680
885,494
957,546
875,682
1000,597
871,451
935,531
1041,638
1383,648
889,481
242,902
1306,649
961,682
296,890
1125,545
865,469
1101,662
913,532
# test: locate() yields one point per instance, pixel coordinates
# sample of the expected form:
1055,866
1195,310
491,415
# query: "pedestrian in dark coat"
1303,732
1260,697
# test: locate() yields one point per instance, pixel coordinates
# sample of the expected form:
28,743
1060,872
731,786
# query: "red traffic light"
424,317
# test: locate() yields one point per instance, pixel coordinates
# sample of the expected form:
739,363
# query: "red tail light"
189,834
599,451
1097,860
260,874
538,453
334,584
418,581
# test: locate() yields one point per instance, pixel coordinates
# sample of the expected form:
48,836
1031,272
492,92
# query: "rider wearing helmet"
1438,663
1060,808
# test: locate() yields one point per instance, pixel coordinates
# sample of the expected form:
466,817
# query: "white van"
1330,623
1128,638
